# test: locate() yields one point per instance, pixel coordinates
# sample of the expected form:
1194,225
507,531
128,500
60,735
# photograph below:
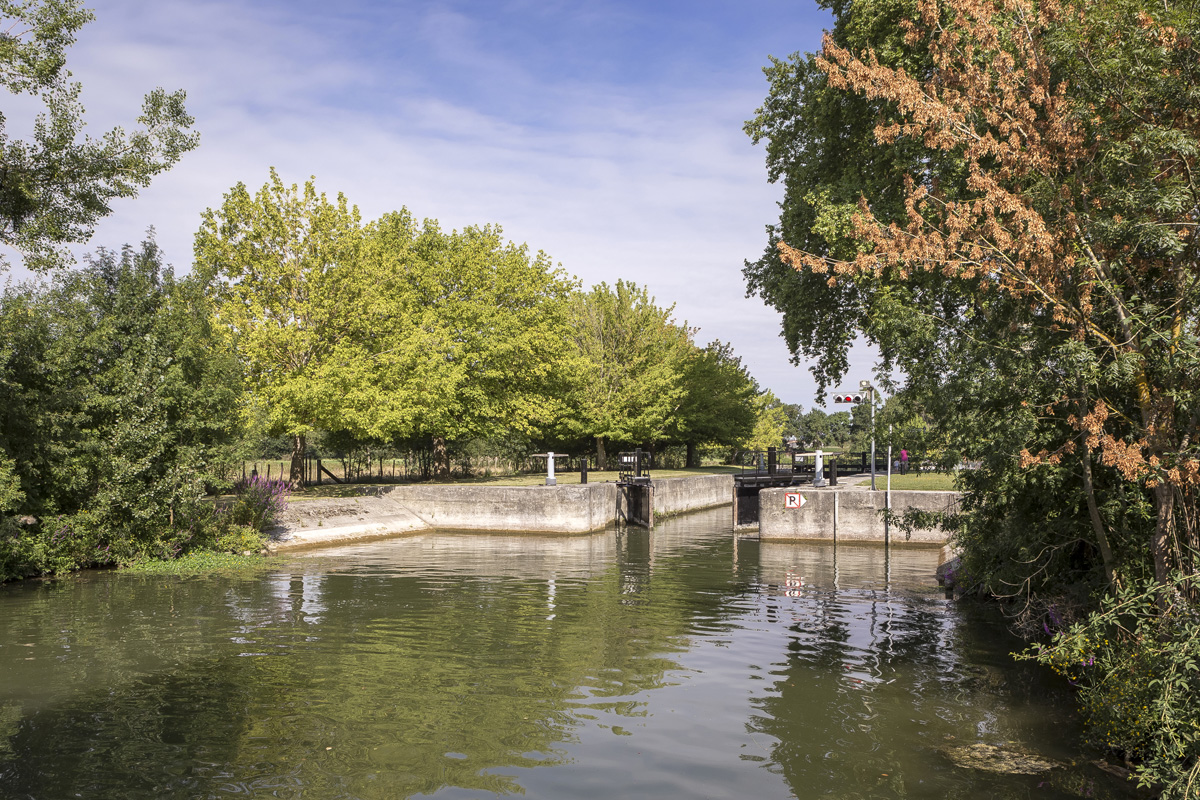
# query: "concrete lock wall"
553,509
678,495
527,509
564,509
837,515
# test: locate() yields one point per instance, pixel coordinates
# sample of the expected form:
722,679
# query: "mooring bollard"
549,456
583,470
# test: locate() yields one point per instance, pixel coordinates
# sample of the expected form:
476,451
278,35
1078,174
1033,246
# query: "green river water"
675,663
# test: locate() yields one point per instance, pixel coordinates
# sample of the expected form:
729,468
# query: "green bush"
1136,662
17,550
240,539
55,547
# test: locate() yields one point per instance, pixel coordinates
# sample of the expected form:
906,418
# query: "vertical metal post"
772,460
887,500
872,395
583,470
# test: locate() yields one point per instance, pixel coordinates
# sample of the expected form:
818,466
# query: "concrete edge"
348,534
399,511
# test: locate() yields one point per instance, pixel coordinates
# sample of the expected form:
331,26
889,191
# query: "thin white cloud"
650,183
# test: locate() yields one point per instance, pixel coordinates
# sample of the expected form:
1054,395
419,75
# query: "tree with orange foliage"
1076,129
1004,196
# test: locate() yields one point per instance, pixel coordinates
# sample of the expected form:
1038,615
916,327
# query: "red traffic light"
848,398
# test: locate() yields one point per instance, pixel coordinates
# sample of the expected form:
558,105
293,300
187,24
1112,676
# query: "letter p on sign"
793,500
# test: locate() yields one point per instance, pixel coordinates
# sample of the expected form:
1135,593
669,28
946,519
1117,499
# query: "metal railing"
782,463
633,467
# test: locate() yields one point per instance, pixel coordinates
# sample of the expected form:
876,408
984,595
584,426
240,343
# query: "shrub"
259,501
54,546
239,539
1136,662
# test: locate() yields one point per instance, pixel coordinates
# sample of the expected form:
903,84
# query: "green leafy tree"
291,293
995,370
116,397
56,185
467,336
820,146
718,403
770,422
632,360
821,429
795,416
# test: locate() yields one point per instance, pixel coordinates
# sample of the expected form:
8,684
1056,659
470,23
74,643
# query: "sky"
607,134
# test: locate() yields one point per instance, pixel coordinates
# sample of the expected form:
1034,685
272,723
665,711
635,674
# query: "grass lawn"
926,481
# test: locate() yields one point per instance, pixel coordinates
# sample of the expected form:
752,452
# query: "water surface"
677,663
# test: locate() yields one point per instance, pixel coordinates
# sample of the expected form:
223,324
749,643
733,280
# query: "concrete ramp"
312,523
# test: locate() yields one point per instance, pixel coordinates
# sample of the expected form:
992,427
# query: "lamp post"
866,388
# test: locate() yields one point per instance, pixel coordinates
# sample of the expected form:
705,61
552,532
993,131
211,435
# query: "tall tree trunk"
601,457
441,459
1161,544
1097,523
299,447
691,455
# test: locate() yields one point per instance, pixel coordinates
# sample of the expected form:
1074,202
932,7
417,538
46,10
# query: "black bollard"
583,470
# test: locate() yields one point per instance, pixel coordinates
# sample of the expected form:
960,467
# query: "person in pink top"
903,462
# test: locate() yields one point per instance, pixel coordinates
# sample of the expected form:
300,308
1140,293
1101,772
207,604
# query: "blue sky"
608,134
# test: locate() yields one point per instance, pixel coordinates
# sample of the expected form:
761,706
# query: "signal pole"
865,392
869,391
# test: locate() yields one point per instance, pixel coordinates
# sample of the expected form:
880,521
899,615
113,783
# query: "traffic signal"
857,397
